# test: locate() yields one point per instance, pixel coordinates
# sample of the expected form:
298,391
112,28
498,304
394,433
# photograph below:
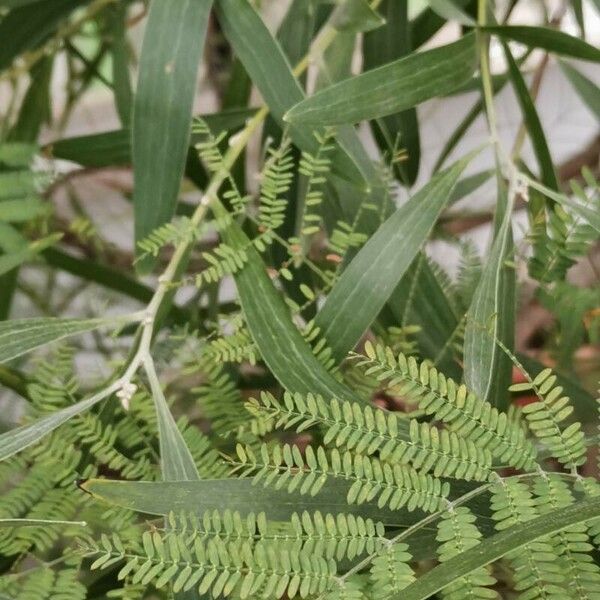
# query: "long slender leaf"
498,546
401,130
451,12
30,25
284,350
548,39
588,215
424,26
19,336
111,148
120,64
371,277
171,50
587,90
489,318
532,122
265,62
391,88
160,498
18,439
176,460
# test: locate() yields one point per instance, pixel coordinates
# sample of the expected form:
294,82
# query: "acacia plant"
289,397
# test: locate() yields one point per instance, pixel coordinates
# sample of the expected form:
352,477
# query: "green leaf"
588,91
171,50
161,498
354,16
284,350
584,404
120,63
590,216
114,147
451,12
23,209
399,131
491,317
35,109
30,25
498,545
391,88
532,122
24,253
19,336
427,23
296,30
18,439
38,522
548,39
270,71
176,460
369,280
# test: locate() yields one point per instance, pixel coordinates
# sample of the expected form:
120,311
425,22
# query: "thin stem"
486,77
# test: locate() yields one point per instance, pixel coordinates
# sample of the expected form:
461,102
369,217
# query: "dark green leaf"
399,131
171,50
176,462
548,39
30,25
15,440
588,91
491,317
20,336
391,88
354,16
270,71
160,498
532,122
111,148
120,64
284,350
371,277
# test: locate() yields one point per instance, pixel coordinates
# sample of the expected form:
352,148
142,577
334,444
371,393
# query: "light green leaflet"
497,546
20,336
171,50
369,280
391,88
491,317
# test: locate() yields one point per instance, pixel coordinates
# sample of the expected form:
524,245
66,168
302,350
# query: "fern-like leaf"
545,416
396,486
467,415
367,430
